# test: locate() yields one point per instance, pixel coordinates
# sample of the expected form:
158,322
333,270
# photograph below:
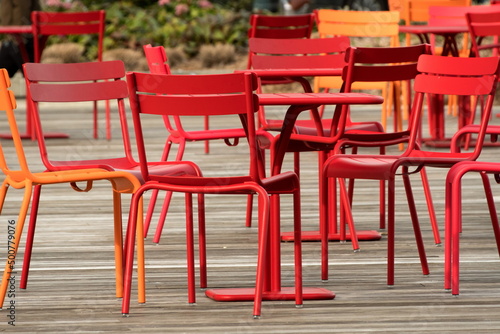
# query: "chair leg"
13,244
202,241
118,240
30,237
154,192
492,208
391,199
129,251
346,208
452,211
263,243
163,217
297,239
430,206
454,234
190,249
416,225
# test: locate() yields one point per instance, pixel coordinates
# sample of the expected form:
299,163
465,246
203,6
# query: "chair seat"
383,167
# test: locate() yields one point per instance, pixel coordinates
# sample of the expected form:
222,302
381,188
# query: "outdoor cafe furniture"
447,21
453,197
219,94
296,67
178,134
85,82
23,178
380,28
438,75
296,60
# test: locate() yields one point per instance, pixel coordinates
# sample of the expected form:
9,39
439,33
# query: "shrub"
188,24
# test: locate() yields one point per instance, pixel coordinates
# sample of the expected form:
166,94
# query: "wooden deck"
71,285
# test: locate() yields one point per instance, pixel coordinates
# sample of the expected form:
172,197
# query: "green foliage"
185,23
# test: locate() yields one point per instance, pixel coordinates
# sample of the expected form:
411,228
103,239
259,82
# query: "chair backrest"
157,59
194,95
454,15
67,23
71,83
375,24
455,76
481,26
282,27
418,10
8,104
270,53
277,26
382,64
298,53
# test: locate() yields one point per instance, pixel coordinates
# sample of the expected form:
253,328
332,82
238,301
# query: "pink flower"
55,3
205,4
163,2
181,9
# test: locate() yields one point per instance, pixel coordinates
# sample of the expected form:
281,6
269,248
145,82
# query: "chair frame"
226,94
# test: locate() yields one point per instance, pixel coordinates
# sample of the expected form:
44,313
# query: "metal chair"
195,95
438,75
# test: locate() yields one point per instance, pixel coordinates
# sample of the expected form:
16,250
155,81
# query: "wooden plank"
71,286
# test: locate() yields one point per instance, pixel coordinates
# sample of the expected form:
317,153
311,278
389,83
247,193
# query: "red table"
17,32
450,48
298,103
299,76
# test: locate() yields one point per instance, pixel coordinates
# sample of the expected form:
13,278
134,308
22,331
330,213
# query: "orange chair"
194,95
46,24
379,26
66,84
121,182
438,75
157,61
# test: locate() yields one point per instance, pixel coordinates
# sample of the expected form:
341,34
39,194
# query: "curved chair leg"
430,206
202,243
30,237
416,225
13,244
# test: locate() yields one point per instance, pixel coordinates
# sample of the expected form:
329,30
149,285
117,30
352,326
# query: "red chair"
84,82
484,30
382,65
157,61
438,75
46,24
453,220
192,95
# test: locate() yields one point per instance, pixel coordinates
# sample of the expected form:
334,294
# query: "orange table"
298,103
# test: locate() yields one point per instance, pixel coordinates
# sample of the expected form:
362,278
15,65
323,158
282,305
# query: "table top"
432,29
25,29
318,98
